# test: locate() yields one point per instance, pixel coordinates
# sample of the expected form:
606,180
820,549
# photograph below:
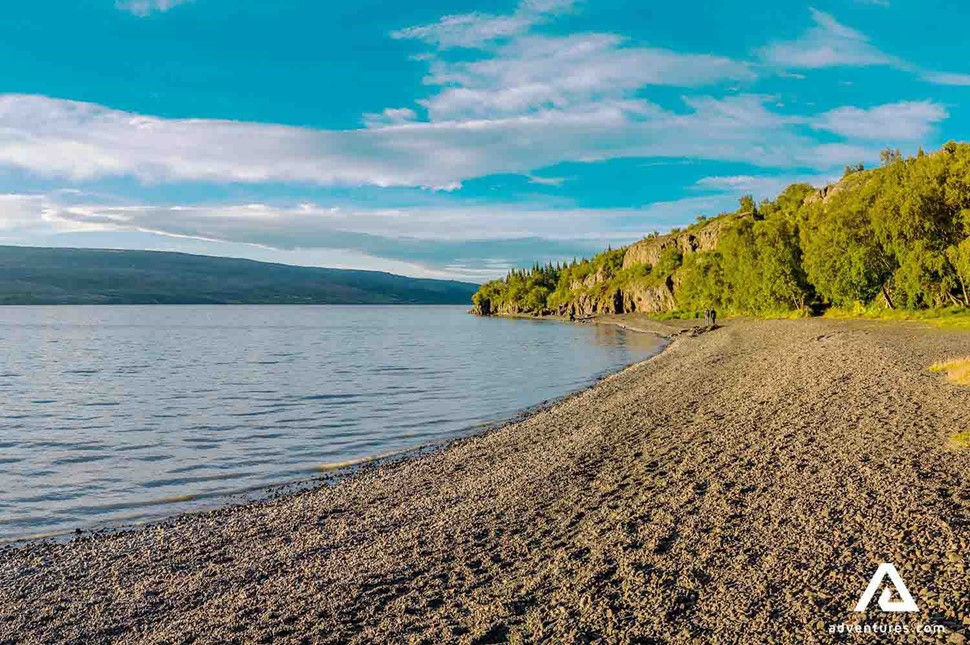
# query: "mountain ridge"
51,276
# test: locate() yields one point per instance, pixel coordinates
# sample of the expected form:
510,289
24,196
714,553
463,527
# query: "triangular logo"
905,602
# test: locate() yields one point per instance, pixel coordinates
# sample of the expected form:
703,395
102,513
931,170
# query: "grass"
787,314
725,314
961,439
950,318
956,369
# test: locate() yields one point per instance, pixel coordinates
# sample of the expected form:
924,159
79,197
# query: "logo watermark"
886,578
905,602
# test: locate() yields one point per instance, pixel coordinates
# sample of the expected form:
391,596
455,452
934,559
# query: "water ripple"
118,414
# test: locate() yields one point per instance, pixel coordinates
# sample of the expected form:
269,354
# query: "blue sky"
447,139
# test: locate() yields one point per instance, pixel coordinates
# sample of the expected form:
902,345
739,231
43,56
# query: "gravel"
742,486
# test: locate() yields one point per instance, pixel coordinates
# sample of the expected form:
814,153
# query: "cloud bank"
503,94
83,142
828,43
517,100
469,241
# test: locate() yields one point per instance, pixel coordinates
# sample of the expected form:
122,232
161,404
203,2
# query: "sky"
448,139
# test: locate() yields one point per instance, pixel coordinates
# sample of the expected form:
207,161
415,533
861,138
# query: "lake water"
124,414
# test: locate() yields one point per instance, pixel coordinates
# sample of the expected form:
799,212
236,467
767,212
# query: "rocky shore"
742,486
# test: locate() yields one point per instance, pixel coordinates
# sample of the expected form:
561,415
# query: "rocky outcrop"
599,293
655,298
646,299
824,195
587,304
697,238
594,295
486,307
650,300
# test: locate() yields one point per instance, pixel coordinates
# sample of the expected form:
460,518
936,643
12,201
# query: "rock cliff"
596,295
697,238
641,278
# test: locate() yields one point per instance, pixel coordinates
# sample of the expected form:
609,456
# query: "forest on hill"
896,237
32,275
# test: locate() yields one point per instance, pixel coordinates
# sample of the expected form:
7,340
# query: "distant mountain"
30,275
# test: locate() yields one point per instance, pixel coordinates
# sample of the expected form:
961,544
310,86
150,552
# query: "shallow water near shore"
123,414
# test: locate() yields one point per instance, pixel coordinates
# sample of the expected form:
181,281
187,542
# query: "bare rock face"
823,195
699,238
650,300
487,308
641,298
617,302
593,295
586,305
655,299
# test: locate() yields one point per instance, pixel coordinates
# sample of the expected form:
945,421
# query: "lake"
127,414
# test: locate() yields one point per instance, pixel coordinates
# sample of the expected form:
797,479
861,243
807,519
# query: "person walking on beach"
707,317
713,318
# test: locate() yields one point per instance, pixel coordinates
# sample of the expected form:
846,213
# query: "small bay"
125,414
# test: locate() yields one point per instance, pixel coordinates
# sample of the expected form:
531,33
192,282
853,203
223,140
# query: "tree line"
896,236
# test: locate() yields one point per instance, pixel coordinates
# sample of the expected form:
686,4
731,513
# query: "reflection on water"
114,414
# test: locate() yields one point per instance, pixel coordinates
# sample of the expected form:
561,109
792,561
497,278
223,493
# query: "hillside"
894,237
92,276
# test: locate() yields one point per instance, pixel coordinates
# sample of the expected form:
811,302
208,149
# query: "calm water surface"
124,414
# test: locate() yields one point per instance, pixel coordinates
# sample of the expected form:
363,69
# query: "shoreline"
328,474
633,322
745,479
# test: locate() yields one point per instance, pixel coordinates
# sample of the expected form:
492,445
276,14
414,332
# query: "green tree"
959,257
701,282
747,204
898,234
852,169
889,156
841,256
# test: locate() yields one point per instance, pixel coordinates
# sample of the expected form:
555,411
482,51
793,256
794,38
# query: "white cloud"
472,30
19,213
904,121
316,226
466,30
471,242
762,186
522,102
31,214
547,181
142,8
513,70
534,72
946,78
731,182
82,142
827,44
390,116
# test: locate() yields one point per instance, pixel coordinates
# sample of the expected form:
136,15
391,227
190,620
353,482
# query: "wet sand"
742,486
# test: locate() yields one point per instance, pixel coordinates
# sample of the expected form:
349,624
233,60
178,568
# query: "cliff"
698,238
896,236
606,292
640,278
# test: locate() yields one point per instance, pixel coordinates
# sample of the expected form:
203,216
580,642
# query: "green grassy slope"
93,276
